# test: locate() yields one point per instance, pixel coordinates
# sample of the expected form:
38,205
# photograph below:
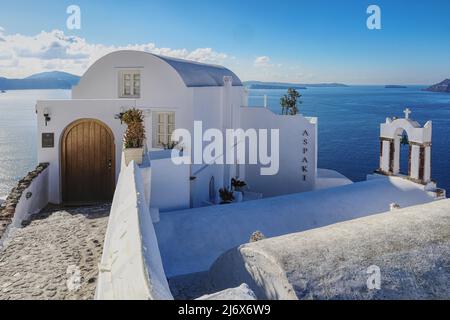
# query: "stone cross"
407,112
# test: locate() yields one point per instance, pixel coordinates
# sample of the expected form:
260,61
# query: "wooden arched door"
87,162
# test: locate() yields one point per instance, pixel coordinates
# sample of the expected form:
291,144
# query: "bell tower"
392,134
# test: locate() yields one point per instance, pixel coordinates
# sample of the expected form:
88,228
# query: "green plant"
289,102
135,133
226,195
170,146
132,116
238,184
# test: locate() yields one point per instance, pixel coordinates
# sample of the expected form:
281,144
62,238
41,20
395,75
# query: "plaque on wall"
48,140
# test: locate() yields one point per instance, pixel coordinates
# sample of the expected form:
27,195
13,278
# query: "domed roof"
195,74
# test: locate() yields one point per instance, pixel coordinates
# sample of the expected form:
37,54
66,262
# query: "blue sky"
301,41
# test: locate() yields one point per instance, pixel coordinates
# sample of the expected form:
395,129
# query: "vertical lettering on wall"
304,166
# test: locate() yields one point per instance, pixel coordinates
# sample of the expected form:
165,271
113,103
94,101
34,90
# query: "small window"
130,84
164,126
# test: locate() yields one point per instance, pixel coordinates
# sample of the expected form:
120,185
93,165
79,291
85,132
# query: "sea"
18,133
348,125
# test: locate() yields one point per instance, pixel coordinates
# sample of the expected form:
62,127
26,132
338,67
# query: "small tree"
289,102
135,133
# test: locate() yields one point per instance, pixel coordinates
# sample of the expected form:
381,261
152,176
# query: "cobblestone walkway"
55,255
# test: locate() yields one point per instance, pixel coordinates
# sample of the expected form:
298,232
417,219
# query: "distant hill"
443,86
273,86
395,86
282,85
45,80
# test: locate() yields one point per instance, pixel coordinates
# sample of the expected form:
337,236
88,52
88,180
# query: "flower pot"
238,196
135,154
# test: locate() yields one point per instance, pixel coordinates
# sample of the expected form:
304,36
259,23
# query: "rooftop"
191,240
196,74
409,247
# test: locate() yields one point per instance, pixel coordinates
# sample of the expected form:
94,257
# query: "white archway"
420,148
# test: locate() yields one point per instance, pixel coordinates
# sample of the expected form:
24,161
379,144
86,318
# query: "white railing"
131,266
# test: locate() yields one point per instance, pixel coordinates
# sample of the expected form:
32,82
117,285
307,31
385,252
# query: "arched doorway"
87,162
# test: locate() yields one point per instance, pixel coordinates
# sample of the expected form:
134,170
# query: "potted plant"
238,185
226,195
171,145
134,136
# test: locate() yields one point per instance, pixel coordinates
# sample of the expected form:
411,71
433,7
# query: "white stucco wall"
160,84
65,112
162,89
217,108
170,184
131,266
290,178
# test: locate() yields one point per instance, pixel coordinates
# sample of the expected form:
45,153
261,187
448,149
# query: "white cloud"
262,62
22,55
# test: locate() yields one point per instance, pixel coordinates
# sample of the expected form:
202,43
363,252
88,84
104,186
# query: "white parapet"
131,266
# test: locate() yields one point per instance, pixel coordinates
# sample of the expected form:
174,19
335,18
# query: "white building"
82,138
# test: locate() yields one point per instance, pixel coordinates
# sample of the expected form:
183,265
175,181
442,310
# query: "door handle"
109,164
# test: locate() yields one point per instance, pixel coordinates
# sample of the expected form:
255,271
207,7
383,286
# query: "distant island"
270,86
284,86
443,86
45,80
395,86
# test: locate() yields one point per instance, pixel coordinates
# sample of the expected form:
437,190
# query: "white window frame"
164,123
132,74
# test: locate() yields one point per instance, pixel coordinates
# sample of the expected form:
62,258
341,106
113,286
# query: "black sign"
48,140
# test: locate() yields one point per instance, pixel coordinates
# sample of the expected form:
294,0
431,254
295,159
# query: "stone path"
55,255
